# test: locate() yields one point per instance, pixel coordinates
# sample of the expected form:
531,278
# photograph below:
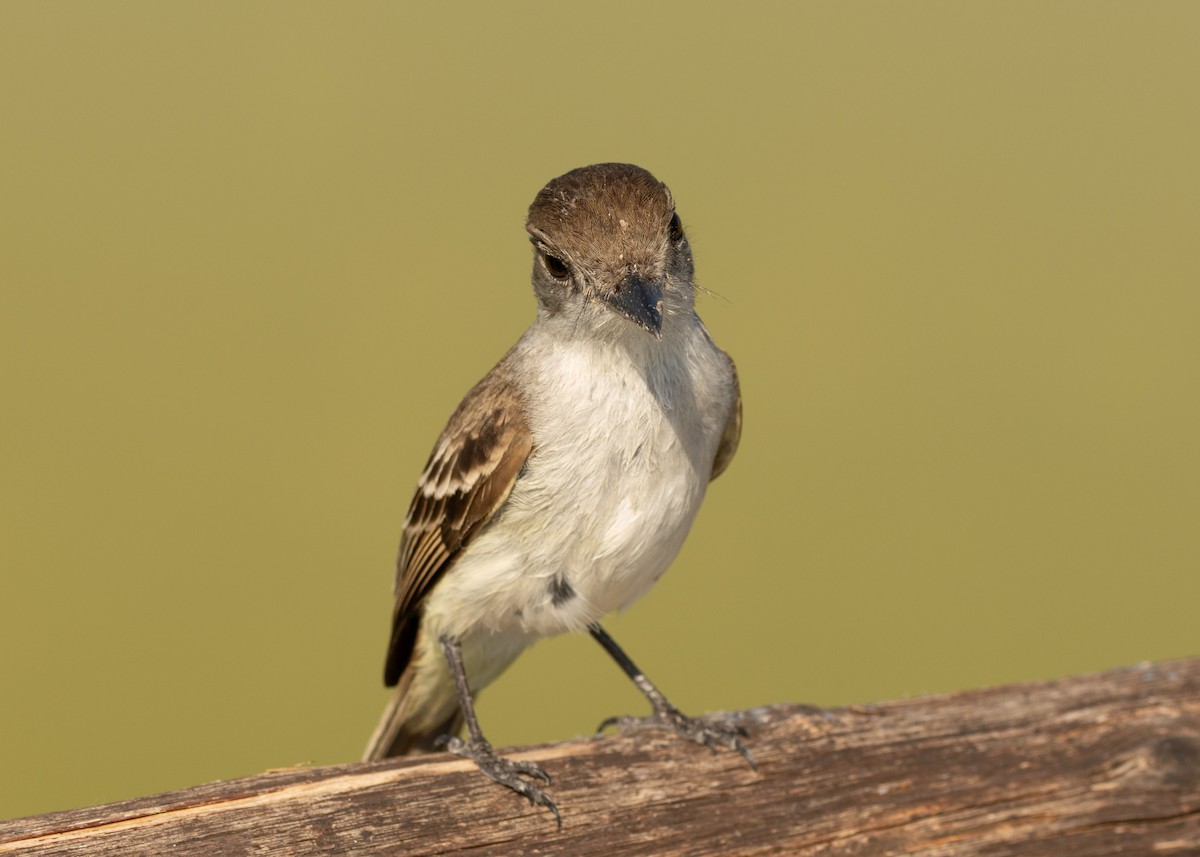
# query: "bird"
567,479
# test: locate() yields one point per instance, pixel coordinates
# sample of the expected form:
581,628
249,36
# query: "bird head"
608,246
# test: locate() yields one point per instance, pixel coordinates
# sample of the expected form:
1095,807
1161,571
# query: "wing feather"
733,428
468,477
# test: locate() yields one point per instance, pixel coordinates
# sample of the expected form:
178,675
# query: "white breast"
623,452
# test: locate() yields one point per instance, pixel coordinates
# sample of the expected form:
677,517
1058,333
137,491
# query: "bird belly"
539,575
603,505
642,533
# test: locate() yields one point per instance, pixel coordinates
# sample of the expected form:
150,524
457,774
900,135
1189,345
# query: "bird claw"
506,772
708,731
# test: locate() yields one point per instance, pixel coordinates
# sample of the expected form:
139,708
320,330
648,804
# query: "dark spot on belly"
561,590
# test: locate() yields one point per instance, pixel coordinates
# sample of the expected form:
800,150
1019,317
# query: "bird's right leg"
506,772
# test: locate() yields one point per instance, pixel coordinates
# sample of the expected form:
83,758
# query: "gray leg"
506,772
710,733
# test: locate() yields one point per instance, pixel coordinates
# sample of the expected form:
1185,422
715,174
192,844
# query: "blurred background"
252,254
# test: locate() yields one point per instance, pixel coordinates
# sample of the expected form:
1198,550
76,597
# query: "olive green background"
252,254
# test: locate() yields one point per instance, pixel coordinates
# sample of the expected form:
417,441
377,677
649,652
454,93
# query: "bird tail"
423,708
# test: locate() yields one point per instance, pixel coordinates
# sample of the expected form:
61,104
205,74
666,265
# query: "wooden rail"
1106,764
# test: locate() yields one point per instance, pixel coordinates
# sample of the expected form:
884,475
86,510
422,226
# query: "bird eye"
557,267
676,227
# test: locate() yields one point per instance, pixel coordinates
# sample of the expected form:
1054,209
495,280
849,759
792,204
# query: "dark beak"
640,301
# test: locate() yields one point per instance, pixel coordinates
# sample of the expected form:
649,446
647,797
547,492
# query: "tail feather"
425,705
423,708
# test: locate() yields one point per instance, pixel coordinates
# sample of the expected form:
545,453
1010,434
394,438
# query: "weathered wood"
1096,765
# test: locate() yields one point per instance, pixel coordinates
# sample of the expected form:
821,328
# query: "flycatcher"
567,479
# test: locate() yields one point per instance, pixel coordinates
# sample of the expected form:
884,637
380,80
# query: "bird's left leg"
704,731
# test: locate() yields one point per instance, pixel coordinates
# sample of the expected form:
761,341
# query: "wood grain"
1105,764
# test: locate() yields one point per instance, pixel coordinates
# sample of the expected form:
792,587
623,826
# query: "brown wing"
733,429
468,477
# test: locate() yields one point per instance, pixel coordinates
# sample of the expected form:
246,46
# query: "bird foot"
507,772
709,731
